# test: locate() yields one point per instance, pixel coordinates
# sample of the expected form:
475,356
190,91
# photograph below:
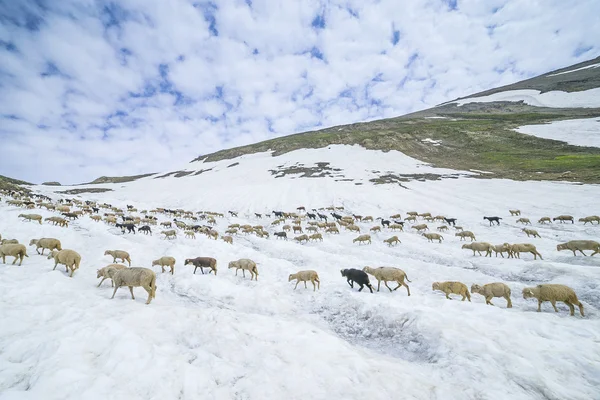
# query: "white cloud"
102,88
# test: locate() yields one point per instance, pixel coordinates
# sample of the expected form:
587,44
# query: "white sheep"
165,261
452,287
479,247
245,264
304,276
135,276
491,290
579,245
386,274
118,254
517,249
69,258
16,250
103,272
466,234
433,236
46,243
531,232
362,238
502,248
31,217
553,293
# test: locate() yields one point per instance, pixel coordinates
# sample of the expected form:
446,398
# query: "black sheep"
130,227
356,275
493,219
146,229
450,221
385,222
281,235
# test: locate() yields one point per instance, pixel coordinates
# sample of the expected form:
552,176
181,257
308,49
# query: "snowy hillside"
226,337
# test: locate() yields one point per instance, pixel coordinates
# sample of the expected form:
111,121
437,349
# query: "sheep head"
528,293
435,286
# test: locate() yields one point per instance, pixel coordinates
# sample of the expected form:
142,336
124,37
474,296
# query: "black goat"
258,215
146,229
493,219
336,216
278,213
95,209
311,216
322,217
281,235
356,275
385,222
129,227
127,218
399,222
450,221
233,213
129,207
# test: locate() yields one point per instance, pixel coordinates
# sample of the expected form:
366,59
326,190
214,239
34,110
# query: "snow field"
579,132
554,99
227,337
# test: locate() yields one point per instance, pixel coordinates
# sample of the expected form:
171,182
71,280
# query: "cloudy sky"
91,88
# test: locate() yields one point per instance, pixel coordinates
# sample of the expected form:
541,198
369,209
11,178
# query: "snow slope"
555,99
225,337
580,132
577,69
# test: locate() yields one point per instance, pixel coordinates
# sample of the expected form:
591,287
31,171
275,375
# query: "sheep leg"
581,309
305,287
448,297
314,286
55,266
297,282
386,285
103,279
162,269
581,252
244,273
571,307
115,291
131,290
539,306
488,300
172,269
553,302
72,271
463,298
508,301
149,290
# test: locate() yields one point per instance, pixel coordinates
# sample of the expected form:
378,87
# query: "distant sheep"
245,264
353,275
316,236
491,290
118,254
452,288
45,243
190,234
517,249
419,228
493,219
304,276
362,238
442,228
138,277
165,261
524,221
502,248
103,273
514,212
433,236
397,227
579,245
479,247
69,258
203,262
465,234
544,220
386,274
170,234
563,218
227,239
16,250
302,238
392,241
531,232
553,293
31,217
591,219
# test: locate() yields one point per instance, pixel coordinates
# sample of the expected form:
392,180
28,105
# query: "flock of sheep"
315,223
